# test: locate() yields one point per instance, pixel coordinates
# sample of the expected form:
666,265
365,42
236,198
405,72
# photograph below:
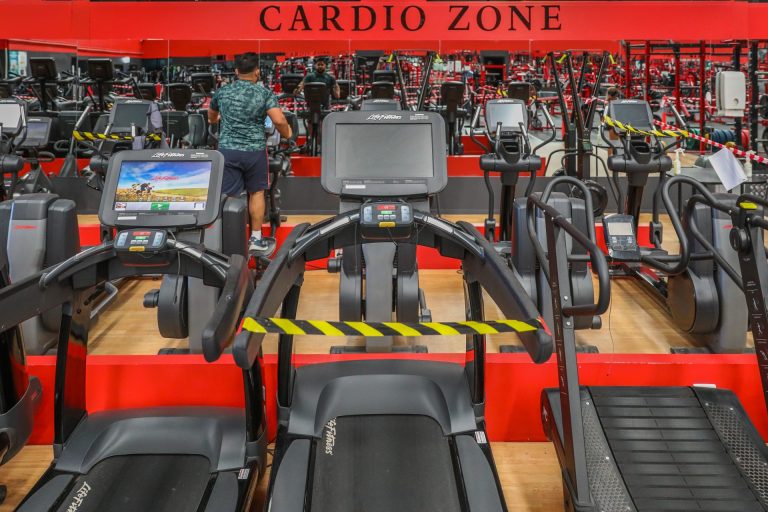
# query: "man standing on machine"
319,75
243,107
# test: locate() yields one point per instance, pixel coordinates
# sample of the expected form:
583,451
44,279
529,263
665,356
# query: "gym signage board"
383,20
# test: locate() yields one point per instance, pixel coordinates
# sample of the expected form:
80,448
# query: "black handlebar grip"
220,329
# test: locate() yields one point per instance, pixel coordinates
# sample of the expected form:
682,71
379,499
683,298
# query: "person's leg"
256,176
233,183
256,207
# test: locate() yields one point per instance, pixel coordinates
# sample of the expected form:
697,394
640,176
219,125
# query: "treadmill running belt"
669,454
384,464
131,483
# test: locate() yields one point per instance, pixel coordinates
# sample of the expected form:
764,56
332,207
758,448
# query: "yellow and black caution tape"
375,329
78,135
630,129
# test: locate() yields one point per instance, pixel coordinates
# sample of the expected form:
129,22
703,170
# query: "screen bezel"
116,128
16,129
612,112
490,104
168,219
393,187
48,122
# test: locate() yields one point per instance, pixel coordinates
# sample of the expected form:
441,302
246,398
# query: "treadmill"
164,459
655,449
385,434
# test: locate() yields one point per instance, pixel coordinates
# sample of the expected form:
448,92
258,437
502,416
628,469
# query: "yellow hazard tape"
376,329
78,135
613,123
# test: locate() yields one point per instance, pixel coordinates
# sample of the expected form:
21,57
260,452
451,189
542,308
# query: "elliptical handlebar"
596,256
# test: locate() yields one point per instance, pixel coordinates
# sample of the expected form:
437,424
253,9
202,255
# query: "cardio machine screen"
383,151
10,117
38,132
510,115
127,114
635,114
170,186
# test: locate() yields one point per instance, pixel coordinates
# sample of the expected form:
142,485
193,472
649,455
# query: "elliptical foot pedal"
170,351
351,349
689,350
511,349
269,250
519,349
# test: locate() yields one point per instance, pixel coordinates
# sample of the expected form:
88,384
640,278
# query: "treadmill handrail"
743,219
53,287
478,258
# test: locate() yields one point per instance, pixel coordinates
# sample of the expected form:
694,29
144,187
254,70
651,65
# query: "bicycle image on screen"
163,185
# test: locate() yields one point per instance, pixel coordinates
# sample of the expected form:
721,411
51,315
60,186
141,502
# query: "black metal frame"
578,145
555,261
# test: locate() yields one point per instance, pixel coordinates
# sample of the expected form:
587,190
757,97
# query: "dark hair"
246,62
612,92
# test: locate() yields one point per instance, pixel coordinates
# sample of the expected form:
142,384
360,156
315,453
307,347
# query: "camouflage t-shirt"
243,107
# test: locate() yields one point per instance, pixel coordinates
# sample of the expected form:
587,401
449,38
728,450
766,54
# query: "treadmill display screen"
634,114
384,151
10,117
171,186
127,114
621,229
38,132
510,115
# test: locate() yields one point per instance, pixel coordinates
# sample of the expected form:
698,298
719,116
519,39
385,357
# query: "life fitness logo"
167,155
383,117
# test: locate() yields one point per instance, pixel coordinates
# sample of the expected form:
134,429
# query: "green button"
160,206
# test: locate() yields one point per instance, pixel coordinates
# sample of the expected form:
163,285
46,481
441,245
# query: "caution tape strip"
613,123
78,135
738,152
668,130
376,329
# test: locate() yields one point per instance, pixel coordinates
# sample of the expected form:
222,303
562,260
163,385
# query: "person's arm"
280,122
300,88
336,89
213,110
275,113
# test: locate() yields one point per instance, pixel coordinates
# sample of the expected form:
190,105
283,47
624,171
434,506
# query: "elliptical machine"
702,299
316,96
21,392
506,125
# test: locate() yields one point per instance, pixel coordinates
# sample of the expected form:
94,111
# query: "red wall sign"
384,20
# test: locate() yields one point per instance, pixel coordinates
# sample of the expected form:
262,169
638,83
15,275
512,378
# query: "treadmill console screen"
510,113
163,186
383,154
11,117
404,151
130,113
38,132
635,113
150,188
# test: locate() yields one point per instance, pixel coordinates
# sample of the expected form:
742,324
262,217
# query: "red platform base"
513,384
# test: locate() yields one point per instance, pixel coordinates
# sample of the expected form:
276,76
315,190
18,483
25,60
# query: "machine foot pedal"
349,349
518,349
172,351
701,350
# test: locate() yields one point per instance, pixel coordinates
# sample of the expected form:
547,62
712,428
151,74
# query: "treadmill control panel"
140,240
386,220
620,237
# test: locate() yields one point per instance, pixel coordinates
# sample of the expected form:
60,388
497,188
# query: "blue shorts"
244,170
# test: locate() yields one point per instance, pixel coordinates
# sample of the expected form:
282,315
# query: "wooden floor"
529,472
